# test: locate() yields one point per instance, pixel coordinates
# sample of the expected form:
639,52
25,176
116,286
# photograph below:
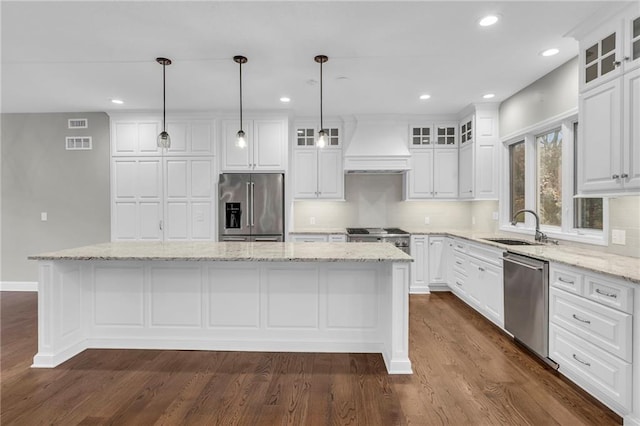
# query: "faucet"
540,236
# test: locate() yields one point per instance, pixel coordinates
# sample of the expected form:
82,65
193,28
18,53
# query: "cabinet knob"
624,175
615,177
616,64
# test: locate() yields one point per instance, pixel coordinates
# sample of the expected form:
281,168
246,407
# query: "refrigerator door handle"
249,201
253,188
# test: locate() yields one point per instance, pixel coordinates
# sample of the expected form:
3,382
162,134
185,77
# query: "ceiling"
77,56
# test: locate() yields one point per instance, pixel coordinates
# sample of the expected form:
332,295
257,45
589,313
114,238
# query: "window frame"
567,230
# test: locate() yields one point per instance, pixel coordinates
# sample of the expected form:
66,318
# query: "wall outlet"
473,220
495,216
312,220
618,236
427,220
43,216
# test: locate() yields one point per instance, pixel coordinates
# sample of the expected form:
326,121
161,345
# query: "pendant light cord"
321,126
164,99
240,95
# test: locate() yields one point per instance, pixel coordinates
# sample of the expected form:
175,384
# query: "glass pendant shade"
164,140
241,142
322,139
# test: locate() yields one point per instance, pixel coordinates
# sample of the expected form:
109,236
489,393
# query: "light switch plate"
312,220
495,215
43,216
427,220
618,236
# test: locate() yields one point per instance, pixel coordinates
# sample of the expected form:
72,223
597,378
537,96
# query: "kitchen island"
294,297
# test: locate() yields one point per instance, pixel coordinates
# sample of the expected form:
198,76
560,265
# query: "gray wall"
40,175
553,94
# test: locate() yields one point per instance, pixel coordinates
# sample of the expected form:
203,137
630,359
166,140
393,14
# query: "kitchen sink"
512,242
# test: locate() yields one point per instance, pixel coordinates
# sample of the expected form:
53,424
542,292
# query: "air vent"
78,123
78,143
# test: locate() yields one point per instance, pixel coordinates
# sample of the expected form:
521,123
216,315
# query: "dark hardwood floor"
466,372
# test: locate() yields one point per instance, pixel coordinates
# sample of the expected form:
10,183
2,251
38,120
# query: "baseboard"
18,286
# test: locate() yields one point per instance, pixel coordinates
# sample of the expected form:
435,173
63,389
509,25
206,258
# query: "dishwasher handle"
509,259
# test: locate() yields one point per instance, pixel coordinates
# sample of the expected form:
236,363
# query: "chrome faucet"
539,235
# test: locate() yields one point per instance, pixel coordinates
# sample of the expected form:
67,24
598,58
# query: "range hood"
378,145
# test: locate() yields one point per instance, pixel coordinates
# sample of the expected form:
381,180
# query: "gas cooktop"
376,231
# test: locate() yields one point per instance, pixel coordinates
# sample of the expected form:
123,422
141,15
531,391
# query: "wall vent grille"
78,143
78,123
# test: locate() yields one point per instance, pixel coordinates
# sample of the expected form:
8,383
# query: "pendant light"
241,142
164,140
322,135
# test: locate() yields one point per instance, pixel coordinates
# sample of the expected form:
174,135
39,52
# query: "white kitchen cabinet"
266,148
433,174
591,333
429,135
133,135
309,238
318,173
419,268
437,262
487,289
609,152
137,200
170,198
609,105
478,171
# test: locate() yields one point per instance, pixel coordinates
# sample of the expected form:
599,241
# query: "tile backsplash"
376,200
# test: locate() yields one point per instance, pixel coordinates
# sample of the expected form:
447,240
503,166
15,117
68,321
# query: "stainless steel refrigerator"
251,207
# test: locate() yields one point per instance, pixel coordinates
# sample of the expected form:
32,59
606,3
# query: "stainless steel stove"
395,236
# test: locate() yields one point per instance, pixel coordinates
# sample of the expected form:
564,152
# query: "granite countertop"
625,267
233,251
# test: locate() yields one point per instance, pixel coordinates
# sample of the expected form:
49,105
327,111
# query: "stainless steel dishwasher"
526,303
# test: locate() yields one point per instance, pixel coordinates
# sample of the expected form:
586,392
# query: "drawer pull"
460,247
458,262
581,361
458,283
562,280
480,268
580,319
604,293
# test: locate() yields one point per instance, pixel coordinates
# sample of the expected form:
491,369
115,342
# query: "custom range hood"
378,145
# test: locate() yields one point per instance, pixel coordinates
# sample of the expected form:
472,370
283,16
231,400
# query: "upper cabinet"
478,177
266,148
611,50
318,172
608,157
430,135
138,136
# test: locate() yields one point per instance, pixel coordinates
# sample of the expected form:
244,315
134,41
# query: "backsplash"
376,200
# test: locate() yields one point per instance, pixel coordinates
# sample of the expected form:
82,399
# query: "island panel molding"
200,304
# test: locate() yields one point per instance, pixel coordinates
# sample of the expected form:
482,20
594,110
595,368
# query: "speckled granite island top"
233,251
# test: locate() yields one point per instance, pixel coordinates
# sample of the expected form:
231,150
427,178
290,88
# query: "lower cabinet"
437,262
475,276
591,333
419,283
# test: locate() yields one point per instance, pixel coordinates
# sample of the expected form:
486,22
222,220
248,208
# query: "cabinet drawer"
603,375
566,279
457,283
486,253
308,238
460,246
608,293
459,264
604,327
337,238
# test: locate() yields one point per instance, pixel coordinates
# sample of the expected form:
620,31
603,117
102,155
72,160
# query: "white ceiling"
76,56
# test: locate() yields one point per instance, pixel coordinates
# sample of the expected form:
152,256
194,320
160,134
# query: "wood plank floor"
466,372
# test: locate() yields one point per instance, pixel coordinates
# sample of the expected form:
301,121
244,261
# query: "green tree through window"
549,153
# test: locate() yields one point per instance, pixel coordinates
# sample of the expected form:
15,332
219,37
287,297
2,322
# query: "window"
516,178
587,212
541,170
549,194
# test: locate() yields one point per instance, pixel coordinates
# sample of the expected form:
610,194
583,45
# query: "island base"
356,307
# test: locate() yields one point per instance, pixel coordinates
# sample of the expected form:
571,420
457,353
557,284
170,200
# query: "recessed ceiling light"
488,20
284,99
117,101
550,52
489,96
425,96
